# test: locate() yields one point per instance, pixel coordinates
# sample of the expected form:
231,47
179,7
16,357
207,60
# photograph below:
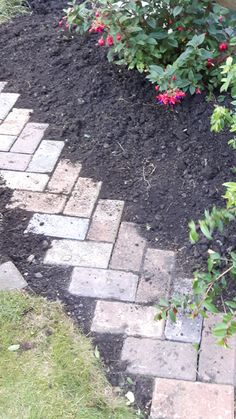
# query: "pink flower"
61,23
157,88
198,91
101,42
174,78
171,97
180,28
110,41
97,14
118,37
223,46
220,18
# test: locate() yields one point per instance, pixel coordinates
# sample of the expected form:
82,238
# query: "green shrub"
178,45
210,285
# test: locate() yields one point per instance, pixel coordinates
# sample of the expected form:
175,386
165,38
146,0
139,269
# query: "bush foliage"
179,45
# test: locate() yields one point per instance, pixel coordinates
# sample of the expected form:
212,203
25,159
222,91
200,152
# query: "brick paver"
185,329
24,180
14,161
106,220
216,364
103,283
129,248
128,319
29,138
37,202
76,253
15,121
7,101
160,358
46,156
10,277
177,399
6,142
64,177
156,277
58,226
83,198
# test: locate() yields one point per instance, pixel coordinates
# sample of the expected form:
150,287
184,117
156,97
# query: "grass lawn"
47,367
10,8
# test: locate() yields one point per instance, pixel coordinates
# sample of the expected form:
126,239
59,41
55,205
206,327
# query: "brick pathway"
114,265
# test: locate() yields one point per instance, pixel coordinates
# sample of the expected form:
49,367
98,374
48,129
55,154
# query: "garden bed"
164,163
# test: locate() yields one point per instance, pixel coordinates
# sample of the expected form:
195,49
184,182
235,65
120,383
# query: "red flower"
61,23
170,21
157,88
210,63
223,46
101,42
180,28
174,78
220,18
97,14
198,91
110,41
118,37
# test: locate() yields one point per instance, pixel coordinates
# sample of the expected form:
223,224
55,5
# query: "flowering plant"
178,45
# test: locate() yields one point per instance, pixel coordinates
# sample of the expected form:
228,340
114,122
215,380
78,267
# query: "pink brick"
38,202
15,122
216,364
64,177
106,220
83,198
30,138
185,400
6,142
14,161
156,276
129,248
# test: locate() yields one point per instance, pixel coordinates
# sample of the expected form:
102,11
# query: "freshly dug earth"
166,164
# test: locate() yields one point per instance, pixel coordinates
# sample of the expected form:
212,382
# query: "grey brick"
103,283
46,156
58,226
216,364
6,142
129,248
10,277
157,358
185,329
24,180
129,319
76,253
29,138
14,161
